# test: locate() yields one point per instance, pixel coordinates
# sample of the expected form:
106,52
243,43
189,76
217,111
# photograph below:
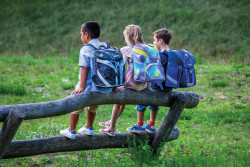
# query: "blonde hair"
133,34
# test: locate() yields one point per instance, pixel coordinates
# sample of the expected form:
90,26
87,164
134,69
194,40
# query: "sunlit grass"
215,133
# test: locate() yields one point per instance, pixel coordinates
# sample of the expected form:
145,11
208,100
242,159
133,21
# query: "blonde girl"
133,36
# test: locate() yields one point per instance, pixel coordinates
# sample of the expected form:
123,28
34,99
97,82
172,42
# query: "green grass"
18,90
218,83
214,30
215,133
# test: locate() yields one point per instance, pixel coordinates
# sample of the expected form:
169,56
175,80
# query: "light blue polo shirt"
86,59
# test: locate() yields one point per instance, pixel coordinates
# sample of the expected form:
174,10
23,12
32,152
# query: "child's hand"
77,91
117,89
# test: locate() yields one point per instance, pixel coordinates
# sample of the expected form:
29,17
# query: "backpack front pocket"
155,73
139,72
188,77
106,74
173,75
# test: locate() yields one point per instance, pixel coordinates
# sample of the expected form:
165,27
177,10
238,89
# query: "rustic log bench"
13,115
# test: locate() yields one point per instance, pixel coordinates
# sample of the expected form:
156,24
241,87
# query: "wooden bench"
13,115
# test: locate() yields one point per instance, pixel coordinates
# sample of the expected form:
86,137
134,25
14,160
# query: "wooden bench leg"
168,124
9,129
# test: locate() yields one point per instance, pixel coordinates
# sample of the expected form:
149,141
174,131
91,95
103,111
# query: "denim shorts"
142,108
156,86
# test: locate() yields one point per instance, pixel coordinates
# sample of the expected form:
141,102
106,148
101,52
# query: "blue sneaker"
137,129
67,133
150,129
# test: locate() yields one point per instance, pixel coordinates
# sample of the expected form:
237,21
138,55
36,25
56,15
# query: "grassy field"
216,30
39,49
216,133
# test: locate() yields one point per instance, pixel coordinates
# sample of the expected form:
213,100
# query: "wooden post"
169,122
9,129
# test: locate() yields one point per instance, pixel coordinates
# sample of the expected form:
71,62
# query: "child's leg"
140,114
150,127
74,117
115,115
73,121
91,112
110,130
153,114
122,107
108,123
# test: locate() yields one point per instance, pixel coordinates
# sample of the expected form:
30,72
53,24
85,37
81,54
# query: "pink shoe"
105,124
108,131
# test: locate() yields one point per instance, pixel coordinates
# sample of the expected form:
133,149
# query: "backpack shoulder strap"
163,57
88,44
108,46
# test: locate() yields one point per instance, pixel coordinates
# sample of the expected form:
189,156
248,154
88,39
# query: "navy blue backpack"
180,69
109,67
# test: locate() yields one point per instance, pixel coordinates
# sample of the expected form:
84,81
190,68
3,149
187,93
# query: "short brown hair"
165,34
133,34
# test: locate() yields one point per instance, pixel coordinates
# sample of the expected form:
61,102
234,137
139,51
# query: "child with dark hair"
90,32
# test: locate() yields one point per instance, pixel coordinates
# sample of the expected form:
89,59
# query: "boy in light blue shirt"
90,31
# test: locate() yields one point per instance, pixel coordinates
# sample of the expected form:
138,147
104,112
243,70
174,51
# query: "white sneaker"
69,134
85,130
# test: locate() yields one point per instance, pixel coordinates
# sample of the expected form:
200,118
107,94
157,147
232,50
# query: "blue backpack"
180,69
109,67
147,64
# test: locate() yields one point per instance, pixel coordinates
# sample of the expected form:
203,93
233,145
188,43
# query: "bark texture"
169,122
9,129
24,148
74,102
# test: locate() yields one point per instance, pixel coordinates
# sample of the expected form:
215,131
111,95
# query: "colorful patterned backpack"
147,64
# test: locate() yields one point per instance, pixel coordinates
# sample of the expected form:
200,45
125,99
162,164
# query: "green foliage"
142,154
213,29
218,83
18,90
224,116
199,60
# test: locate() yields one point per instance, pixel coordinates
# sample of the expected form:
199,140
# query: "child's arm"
84,76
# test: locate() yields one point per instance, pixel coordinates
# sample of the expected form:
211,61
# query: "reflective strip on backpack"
190,84
102,79
172,79
108,63
140,52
